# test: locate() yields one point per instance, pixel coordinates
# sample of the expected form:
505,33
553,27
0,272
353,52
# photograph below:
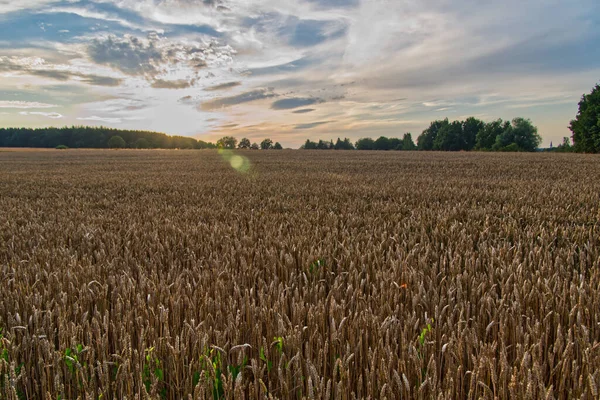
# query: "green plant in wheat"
422,338
153,367
212,367
73,361
316,266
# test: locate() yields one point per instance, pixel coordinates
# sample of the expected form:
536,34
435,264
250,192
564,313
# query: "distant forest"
471,134
95,138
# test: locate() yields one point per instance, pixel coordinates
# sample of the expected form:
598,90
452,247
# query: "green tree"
365,144
426,139
486,137
244,144
382,143
565,146
346,144
407,142
266,144
117,142
227,142
277,146
471,128
254,146
586,125
309,145
324,145
521,133
142,143
450,137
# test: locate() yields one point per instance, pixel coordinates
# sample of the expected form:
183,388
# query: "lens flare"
237,162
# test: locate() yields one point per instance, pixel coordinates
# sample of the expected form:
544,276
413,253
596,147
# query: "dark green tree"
365,144
325,145
142,143
117,142
565,146
346,144
309,145
471,128
426,139
450,137
277,146
521,135
227,142
407,142
486,138
254,146
395,144
382,143
266,144
244,144
586,125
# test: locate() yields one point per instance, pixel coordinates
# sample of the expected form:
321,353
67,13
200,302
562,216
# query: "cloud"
101,80
311,125
304,111
246,97
52,115
295,102
175,84
101,119
223,86
164,63
24,104
63,73
130,55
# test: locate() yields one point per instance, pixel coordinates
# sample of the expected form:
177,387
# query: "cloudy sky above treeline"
295,69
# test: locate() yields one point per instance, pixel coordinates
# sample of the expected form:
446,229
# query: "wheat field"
299,274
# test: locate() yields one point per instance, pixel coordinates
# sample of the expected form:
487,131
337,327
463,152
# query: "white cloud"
24,104
52,115
95,118
7,6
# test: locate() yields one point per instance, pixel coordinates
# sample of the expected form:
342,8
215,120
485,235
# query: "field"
299,274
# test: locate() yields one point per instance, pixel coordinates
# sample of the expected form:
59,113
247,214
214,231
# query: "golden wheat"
346,275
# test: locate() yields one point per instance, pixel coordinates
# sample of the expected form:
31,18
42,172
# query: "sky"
293,70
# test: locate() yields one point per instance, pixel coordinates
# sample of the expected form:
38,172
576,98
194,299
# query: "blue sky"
293,70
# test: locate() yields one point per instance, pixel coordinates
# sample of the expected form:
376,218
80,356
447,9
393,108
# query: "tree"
486,137
365,144
346,144
309,145
244,144
426,139
254,146
586,125
382,143
266,144
324,145
142,143
407,142
277,146
395,144
521,133
565,146
450,137
471,128
116,142
227,142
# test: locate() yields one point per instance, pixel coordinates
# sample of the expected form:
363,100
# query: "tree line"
443,135
96,138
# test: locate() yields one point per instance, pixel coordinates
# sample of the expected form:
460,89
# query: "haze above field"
293,70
